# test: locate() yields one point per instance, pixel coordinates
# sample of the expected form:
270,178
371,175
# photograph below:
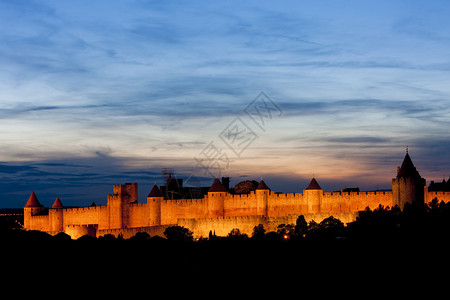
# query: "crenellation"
220,211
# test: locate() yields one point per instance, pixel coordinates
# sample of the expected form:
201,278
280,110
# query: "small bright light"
286,236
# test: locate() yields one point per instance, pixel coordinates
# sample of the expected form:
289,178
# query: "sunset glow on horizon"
111,92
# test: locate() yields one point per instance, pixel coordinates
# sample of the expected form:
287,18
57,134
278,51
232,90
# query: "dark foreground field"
384,246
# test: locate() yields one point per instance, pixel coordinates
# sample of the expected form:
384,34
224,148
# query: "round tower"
408,186
31,208
154,200
262,198
56,215
313,195
216,199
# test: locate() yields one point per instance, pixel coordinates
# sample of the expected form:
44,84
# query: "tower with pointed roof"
408,186
262,198
154,200
216,198
32,208
56,215
313,195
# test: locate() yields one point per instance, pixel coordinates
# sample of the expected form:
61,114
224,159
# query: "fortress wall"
87,215
221,226
336,202
172,210
441,196
39,222
130,232
284,204
240,205
138,215
354,201
345,217
77,231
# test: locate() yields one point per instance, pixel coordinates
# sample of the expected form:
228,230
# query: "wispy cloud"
115,90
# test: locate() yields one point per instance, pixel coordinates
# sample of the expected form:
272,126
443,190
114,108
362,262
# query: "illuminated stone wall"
217,211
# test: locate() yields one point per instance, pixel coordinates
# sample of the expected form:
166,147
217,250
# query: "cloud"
11,169
114,91
357,140
422,109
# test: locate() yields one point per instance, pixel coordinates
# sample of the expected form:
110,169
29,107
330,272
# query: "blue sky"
95,93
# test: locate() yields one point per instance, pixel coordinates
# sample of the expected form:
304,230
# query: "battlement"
83,208
126,193
439,193
341,193
222,211
81,226
184,202
120,189
226,218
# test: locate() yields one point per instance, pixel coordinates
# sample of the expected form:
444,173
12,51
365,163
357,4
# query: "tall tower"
408,186
313,195
216,199
32,208
56,215
154,200
262,198
118,204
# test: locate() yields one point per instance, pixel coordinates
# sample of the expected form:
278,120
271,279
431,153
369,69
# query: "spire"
217,186
57,203
33,201
262,185
155,192
407,169
313,185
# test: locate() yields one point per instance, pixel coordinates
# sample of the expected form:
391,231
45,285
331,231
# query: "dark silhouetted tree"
301,226
258,232
140,236
235,234
178,233
61,236
329,228
286,231
245,187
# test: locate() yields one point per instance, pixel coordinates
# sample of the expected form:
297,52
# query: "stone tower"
216,197
118,204
313,194
32,208
262,198
408,186
154,199
56,215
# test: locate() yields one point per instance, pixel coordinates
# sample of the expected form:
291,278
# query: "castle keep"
221,211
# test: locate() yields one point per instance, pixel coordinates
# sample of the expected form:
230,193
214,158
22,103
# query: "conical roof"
57,203
262,185
155,192
407,169
313,185
217,186
33,201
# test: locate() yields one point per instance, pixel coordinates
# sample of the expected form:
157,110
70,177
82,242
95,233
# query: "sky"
97,93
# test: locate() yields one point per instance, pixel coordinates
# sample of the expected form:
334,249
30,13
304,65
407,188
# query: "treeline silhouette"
380,234
431,221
